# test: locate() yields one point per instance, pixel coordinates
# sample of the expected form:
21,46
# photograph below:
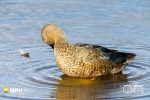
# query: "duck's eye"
45,39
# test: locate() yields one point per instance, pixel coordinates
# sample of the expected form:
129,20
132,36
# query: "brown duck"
83,60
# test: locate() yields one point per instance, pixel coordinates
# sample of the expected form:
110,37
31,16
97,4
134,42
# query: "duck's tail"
121,58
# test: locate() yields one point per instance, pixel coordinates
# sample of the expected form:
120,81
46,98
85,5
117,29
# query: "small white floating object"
26,54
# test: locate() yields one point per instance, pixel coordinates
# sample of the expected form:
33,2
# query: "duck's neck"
62,45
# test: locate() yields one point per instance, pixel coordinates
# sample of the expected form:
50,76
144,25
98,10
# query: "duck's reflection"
71,88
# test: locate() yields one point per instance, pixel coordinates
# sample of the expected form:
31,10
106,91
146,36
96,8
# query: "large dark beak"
52,45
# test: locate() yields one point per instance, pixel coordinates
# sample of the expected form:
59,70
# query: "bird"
25,54
83,60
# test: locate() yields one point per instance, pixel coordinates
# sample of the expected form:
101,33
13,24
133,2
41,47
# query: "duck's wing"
122,58
107,52
115,56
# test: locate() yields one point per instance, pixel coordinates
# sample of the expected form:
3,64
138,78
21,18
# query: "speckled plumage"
83,60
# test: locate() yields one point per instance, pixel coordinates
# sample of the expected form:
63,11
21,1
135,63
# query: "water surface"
121,25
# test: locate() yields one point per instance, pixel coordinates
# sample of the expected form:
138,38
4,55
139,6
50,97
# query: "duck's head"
51,33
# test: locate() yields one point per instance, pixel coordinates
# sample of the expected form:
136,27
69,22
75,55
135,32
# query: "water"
122,25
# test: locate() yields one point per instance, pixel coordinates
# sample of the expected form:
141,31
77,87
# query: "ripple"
38,75
137,72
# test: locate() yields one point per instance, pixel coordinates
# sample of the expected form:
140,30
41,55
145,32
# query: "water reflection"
89,88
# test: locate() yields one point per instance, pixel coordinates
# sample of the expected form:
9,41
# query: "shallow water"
122,25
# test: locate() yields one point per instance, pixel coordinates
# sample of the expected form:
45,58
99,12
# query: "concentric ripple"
41,78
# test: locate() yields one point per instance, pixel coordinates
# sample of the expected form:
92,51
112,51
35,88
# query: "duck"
83,60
